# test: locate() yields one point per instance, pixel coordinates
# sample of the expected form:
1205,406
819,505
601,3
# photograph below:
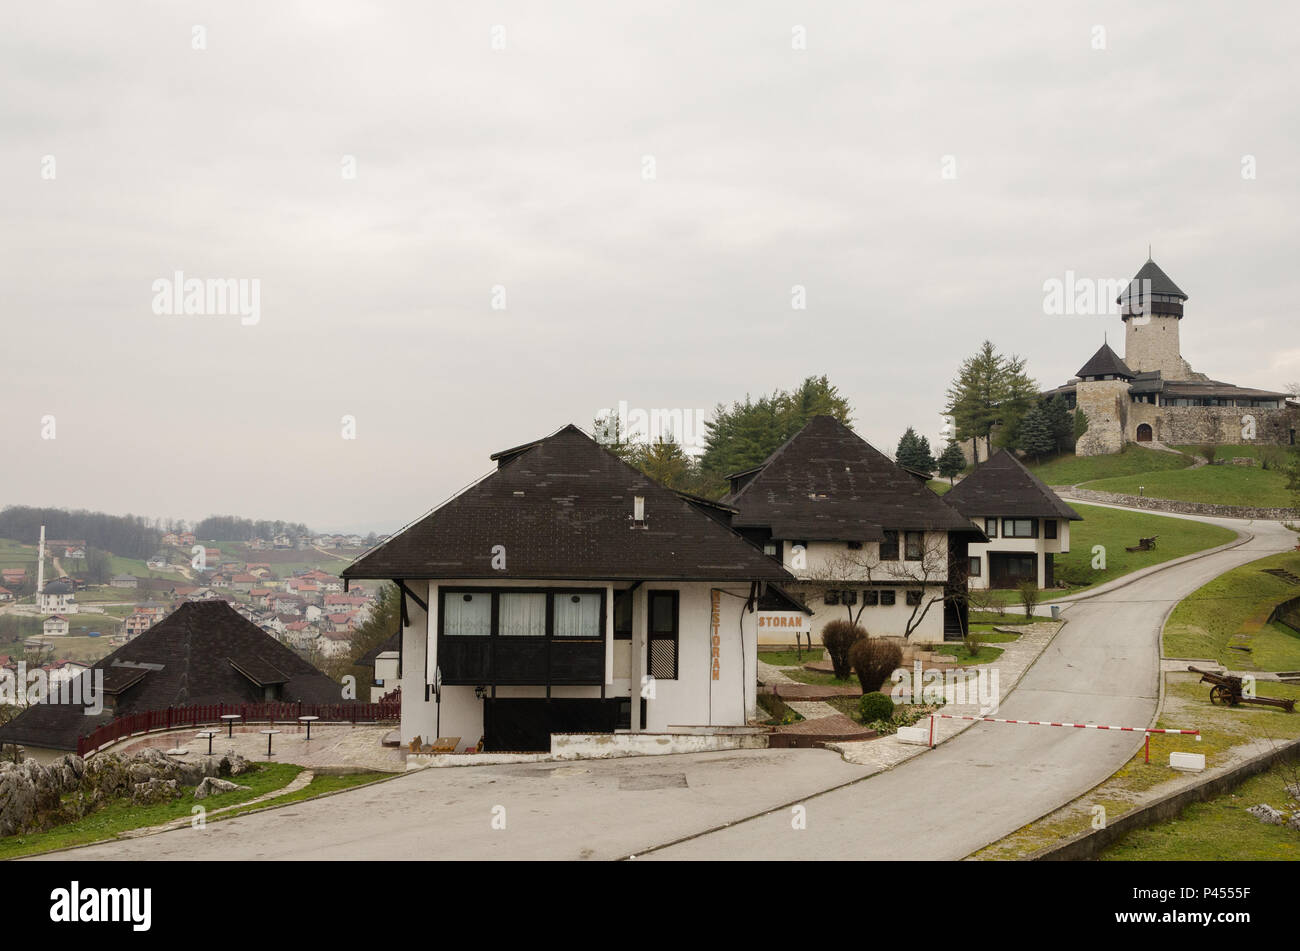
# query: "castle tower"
1102,395
1151,308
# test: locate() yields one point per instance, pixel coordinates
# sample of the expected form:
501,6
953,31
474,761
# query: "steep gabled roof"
827,483
187,658
562,509
1002,486
1105,362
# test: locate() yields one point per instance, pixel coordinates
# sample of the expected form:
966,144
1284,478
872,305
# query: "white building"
56,626
56,597
1027,524
869,541
568,592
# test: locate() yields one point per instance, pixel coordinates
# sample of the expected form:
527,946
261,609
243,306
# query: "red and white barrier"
1077,726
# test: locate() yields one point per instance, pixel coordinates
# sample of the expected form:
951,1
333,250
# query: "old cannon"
1144,544
1227,689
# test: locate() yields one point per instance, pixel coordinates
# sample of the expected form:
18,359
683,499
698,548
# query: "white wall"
1038,546
693,699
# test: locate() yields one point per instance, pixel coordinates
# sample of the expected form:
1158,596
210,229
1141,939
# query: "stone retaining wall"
1181,508
1091,844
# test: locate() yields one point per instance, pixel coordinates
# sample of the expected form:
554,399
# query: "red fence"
276,712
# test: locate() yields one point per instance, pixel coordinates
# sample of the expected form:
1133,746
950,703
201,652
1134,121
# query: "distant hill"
127,535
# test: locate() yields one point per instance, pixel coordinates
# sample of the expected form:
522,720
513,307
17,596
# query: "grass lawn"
962,653
137,567
789,658
822,679
1219,485
1070,469
1114,529
122,816
1220,828
940,486
1230,610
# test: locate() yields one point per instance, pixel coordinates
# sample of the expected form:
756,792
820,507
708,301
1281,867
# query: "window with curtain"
577,614
522,614
467,614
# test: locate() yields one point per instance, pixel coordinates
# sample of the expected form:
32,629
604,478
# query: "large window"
1020,528
1049,528
577,615
889,546
975,569
466,614
991,527
915,546
514,613
663,634
522,614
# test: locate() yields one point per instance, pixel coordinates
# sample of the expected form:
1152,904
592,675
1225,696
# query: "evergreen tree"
991,391
1060,423
914,452
952,461
1080,424
1036,438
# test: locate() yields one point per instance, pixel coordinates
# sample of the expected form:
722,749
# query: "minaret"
1151,308
40,569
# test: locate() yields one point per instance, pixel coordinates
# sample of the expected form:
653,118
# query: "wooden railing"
149,721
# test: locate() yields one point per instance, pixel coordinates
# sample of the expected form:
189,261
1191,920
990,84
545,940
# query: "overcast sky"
525,168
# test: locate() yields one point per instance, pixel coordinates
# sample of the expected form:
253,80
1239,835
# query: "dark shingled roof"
1106,362
562,508
1003,487
187,658
393,644
1160,283
829,484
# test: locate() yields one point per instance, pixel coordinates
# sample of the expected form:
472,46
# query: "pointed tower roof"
1004,487
1105,362
1167,297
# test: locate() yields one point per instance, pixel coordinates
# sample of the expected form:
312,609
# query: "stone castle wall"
1105,403
1223,425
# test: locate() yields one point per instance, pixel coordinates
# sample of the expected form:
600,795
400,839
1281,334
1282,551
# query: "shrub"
1029,596
1209,451
1272,457
838,637
875,706
874,659
973,641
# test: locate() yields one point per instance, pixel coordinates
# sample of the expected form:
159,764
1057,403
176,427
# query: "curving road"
985,783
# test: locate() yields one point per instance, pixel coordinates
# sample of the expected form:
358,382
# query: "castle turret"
1151,308
1102,395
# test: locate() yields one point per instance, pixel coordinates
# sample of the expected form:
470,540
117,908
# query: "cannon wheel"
1221,695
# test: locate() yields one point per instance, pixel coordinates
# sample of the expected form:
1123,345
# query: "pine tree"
1060,423
914,452
952,461
990,391
1036,438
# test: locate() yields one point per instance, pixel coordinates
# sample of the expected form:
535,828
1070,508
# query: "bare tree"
924,566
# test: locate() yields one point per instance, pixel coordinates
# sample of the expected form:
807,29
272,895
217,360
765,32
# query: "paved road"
1103,668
